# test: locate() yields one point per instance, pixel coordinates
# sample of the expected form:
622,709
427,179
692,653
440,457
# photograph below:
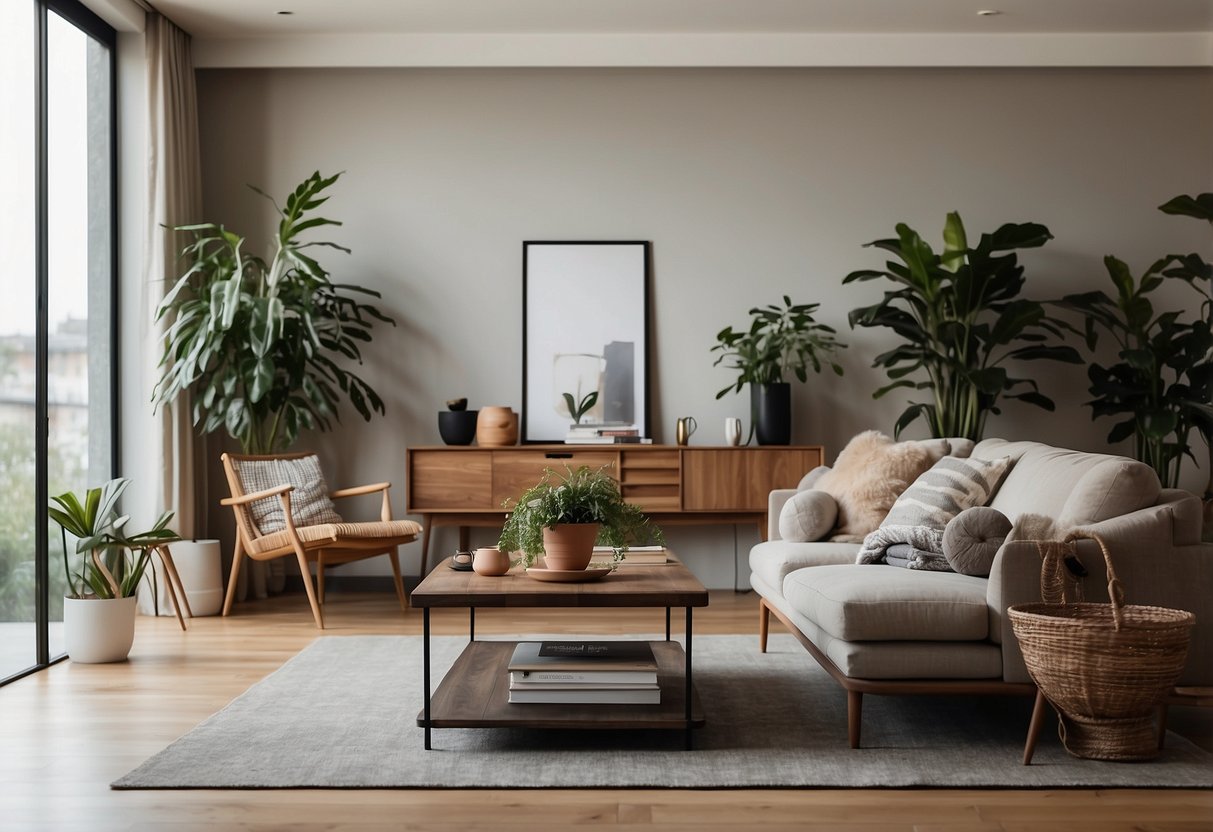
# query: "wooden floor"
67,732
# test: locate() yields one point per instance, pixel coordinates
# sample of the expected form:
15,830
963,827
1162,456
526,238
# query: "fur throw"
869,476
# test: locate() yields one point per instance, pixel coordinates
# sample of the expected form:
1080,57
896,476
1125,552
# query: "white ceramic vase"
198,564
98,630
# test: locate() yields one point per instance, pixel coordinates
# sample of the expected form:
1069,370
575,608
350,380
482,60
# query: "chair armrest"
256,495
385,510
360,489
775,503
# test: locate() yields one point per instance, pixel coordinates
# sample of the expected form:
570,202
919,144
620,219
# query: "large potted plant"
1160,387
99,609
961,321
259,346
780,342
564,514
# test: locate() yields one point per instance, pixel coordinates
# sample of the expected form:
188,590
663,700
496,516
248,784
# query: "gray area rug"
342,714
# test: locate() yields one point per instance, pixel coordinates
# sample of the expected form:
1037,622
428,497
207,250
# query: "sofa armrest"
775,503
1151,562
1175,519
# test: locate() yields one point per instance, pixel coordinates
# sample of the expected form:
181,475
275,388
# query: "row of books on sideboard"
584,673
605,433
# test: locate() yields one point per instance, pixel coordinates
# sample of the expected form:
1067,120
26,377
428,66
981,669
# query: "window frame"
93,26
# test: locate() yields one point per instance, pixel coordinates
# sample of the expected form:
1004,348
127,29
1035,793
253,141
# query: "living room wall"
751,184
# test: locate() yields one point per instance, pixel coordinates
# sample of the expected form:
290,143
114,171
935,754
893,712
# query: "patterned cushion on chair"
310,503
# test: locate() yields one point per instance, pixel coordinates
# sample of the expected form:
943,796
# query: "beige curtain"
174,198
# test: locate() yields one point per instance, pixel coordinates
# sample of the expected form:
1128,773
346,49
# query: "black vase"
771,411
457,427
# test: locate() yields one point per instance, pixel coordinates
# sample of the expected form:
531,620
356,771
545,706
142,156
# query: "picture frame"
585,314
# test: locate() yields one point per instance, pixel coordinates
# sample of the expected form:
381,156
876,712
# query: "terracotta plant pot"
569,546
496,427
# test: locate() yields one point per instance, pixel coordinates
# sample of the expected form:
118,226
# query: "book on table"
586,672
591,696
634,554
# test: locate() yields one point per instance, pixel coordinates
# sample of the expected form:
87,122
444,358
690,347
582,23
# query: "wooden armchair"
269,525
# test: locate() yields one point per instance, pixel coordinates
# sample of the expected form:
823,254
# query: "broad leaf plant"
260,347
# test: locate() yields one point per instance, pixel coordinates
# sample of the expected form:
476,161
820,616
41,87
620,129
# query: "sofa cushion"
869,474
902,659
972,538
808,515
951,486
772,560
883,603
1053,482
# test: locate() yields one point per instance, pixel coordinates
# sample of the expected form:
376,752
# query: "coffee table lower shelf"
474,694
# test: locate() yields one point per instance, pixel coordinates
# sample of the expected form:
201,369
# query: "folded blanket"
924,549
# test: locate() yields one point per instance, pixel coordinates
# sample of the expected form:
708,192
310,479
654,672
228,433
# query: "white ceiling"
684,33
222,19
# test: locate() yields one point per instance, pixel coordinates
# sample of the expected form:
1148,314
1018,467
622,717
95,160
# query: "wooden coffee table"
474,693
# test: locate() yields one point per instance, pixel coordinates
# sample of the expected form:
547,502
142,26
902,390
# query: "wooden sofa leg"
764,624
1034,726
1162,725
854,716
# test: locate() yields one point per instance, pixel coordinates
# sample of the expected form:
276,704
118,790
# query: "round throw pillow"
972,538
808,515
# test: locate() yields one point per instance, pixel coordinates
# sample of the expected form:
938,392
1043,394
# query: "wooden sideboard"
468,486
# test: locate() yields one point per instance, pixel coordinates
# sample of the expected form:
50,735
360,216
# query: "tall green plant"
1160,386
113,561
1197,271
258,345
962,321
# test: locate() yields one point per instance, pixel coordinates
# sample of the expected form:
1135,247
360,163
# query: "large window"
57,362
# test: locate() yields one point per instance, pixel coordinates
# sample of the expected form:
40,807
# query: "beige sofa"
889,630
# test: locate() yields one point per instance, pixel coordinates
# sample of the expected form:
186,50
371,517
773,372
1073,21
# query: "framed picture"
585,311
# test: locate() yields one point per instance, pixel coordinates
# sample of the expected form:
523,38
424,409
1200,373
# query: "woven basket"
1105,668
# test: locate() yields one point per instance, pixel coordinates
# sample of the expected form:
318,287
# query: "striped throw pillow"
947,489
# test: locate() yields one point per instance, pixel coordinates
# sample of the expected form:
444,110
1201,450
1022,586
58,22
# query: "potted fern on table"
563,515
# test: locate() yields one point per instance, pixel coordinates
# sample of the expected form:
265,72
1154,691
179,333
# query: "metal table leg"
687,674
471,623
667,623
425,650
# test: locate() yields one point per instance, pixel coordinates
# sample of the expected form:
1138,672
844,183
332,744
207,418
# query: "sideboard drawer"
740,479
440,480
516,471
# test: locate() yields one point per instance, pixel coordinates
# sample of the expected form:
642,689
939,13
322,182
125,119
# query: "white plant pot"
198,564
98,630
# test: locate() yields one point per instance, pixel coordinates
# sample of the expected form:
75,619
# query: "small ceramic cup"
491,562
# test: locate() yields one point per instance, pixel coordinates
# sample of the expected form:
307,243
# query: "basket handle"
1116,590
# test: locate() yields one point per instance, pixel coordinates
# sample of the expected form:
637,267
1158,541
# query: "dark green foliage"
1161,387
583,495
961,320
258,346
780,341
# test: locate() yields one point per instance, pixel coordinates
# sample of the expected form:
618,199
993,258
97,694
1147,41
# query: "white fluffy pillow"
807,516
869,474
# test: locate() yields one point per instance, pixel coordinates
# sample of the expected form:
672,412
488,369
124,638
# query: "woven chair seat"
330,533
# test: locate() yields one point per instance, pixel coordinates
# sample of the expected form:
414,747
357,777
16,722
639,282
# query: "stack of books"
635,555
584,673
605,433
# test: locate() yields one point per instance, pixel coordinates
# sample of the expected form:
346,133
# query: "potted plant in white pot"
780,342
563,515
99,609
